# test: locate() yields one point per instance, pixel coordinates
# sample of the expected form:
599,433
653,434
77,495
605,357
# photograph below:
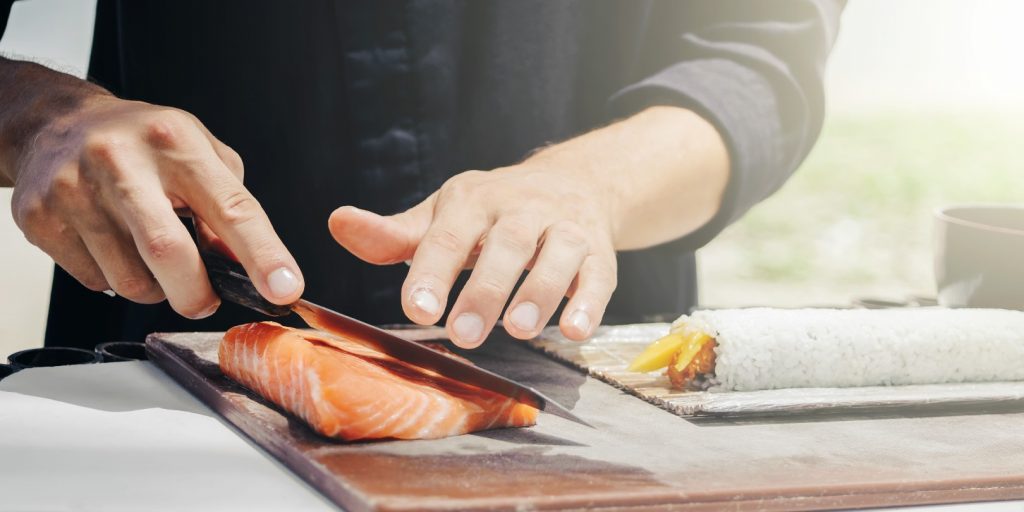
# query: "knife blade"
231,282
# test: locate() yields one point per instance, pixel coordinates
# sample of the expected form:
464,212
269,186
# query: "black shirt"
375,104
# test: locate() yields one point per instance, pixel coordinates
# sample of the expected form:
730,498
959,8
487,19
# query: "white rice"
765,348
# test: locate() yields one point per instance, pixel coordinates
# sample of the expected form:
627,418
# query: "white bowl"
979,256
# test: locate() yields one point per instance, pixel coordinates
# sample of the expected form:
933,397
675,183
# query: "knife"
231,282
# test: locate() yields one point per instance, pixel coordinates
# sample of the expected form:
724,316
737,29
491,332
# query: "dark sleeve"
5,12
754,70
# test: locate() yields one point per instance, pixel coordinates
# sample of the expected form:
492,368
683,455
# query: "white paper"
123,436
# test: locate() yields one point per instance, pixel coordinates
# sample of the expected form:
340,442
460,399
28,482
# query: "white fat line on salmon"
501,413
439,416
421,402
392,416
313,384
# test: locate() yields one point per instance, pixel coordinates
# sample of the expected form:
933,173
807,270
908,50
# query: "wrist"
655,176
36,100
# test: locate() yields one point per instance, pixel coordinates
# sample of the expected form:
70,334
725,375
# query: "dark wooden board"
638,456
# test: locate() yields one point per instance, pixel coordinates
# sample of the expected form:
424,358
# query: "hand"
561,214
98,189
500,223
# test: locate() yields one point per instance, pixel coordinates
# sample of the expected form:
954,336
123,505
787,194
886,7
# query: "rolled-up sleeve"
753,69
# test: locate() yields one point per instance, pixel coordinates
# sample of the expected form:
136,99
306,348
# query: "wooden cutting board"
637,456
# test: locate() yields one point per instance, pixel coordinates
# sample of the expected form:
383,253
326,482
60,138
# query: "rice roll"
764,348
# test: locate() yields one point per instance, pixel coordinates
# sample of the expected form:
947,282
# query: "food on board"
765,348
346,390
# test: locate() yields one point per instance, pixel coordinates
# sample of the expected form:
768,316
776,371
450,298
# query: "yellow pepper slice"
659,354
693,341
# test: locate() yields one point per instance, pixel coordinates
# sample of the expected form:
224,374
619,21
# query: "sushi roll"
764,348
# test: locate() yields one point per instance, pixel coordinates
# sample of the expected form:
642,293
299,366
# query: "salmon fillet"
347,390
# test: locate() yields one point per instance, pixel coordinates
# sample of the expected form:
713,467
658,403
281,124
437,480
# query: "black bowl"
6,370
117,351
52,356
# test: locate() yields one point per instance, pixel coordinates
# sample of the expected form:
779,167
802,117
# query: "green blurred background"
856,219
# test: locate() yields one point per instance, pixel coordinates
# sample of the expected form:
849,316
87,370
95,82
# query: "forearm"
662,173
31,96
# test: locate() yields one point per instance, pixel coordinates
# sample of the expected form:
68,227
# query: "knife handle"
231,282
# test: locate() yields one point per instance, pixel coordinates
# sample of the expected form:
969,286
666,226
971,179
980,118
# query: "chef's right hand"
97,188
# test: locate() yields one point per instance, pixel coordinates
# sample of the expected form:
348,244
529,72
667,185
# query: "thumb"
381,240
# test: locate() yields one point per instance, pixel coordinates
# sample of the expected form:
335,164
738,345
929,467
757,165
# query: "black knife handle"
231,282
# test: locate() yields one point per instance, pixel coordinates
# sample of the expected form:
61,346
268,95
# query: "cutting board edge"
687,502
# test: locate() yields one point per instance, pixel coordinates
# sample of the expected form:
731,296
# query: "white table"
123,436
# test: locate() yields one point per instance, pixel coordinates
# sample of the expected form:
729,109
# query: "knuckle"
103,148
445,239
64,185
517,235
29,211
569,234
127,191
546,284
40,236
161,244
238,207
167,128
461,184
233,161
135,287
489,290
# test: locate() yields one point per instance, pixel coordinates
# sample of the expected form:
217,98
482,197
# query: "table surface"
123,436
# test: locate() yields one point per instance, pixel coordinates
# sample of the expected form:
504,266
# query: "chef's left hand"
500,223
561,214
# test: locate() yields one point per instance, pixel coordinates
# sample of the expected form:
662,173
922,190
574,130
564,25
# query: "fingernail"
525,316
580,321
109,293
468,327
426,301
282,282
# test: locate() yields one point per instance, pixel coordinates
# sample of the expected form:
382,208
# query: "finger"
69,252
208,240
229,156
167,249
438,259
220,200
593,288
510,245
378,239
562,253
114,252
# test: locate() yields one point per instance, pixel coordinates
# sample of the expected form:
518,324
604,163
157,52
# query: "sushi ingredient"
346,390
658,354
694,343
695,362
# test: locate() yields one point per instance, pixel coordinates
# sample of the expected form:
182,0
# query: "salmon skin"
346,390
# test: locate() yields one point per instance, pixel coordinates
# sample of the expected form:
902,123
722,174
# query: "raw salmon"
346,390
